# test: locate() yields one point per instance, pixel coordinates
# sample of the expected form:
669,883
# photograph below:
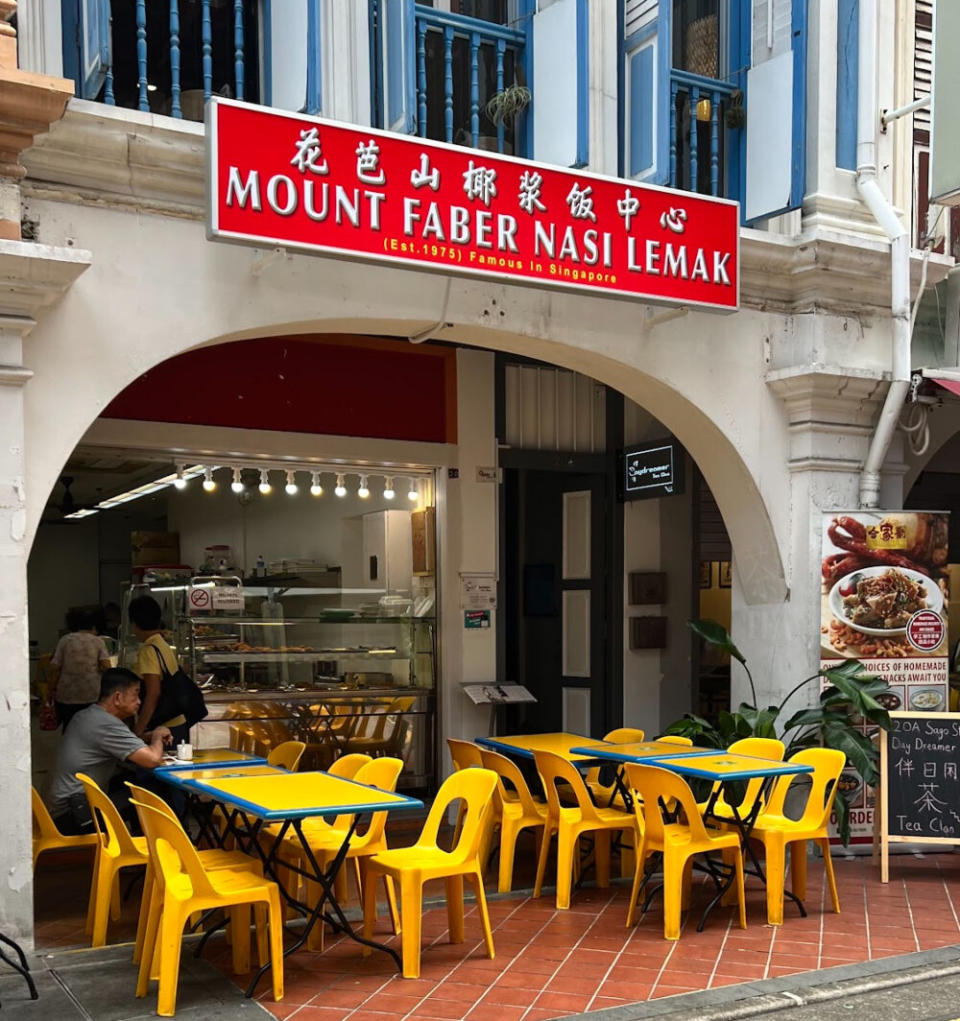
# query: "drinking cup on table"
185,752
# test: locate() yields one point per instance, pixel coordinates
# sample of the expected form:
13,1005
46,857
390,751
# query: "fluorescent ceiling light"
150,487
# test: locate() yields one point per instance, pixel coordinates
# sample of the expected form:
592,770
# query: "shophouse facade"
107,273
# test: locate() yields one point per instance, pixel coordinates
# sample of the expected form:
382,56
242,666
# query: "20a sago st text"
439,231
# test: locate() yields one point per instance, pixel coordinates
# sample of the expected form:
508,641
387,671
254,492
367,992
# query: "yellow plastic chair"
211,859
46,836
379,740
570,822
677,841
325,840
604,794
776,831
519,811
347,765
287,755
187,887
686,742
425,860
117,850
762,748
346,768
467,755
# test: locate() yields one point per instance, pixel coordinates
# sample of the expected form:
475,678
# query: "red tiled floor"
549,963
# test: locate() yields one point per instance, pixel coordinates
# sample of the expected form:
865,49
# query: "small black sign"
651,471
923,776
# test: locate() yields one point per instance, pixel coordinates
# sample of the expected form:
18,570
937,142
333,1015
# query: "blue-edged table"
214,758
286,799
720,768
560,743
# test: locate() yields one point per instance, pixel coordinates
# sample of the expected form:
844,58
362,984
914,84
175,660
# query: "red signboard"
302,182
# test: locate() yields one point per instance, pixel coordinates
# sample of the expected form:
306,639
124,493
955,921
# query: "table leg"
325,879
22,968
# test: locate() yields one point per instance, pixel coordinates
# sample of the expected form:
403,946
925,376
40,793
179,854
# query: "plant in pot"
504,108
850,692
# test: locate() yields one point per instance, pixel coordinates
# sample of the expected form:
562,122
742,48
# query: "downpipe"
886,216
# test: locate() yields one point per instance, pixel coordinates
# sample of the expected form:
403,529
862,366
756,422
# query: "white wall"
276,525
468,543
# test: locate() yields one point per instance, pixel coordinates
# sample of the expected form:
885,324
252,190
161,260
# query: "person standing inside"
79,659
155,661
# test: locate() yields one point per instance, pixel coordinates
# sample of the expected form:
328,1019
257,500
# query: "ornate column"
32,277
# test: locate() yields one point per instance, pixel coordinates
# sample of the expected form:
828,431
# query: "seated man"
95,742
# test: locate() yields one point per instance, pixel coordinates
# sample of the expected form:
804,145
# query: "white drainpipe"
885,215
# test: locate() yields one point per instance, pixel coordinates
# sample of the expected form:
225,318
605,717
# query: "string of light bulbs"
291,486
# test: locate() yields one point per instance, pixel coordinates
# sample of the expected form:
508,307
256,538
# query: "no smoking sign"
199,599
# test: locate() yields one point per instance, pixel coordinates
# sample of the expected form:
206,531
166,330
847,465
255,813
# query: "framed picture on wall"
706,574
724,577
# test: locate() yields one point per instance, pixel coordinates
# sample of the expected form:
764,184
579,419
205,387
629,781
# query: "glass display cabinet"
296,664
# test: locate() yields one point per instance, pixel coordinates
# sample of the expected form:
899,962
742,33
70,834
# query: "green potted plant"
505,106
850,692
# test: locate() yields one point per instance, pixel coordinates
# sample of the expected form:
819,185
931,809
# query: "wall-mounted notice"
919,782
478,591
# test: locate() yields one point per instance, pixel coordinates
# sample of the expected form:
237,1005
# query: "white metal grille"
553,409
922,60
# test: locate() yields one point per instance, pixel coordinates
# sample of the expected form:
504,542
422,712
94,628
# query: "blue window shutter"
647,86
399,58
561,83
776,104
848,58
94,46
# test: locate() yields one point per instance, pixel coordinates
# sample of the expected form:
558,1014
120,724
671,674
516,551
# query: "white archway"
86,351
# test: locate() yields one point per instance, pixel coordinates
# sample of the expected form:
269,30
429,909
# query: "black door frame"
604,464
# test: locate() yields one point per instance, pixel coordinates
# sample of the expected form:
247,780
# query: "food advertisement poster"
885,601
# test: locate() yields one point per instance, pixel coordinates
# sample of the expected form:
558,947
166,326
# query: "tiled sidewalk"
551,963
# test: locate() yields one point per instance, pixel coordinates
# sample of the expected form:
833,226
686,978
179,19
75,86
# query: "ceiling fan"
67,505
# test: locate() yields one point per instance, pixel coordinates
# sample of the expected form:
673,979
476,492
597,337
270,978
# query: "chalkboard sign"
650,471
919,781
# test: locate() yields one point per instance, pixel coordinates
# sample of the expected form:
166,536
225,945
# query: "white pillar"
16,870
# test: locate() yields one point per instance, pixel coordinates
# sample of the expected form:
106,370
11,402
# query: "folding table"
217,757
726,767
560,743
255,799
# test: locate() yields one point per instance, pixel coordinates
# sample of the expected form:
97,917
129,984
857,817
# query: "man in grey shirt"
96,741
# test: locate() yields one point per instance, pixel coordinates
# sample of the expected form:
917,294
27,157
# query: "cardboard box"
154,548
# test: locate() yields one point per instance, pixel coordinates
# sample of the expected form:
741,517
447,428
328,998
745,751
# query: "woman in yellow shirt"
147,620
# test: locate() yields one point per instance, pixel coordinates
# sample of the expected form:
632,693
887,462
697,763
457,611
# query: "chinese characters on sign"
884,599
332,189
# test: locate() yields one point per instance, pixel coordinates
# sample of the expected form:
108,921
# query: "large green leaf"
815,716
858,748
841,809
716,634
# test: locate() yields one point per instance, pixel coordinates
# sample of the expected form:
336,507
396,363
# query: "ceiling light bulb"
364,491
237,484
388,491
180,482
208,484
341,489
291,486
264,486
315,488
412,494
